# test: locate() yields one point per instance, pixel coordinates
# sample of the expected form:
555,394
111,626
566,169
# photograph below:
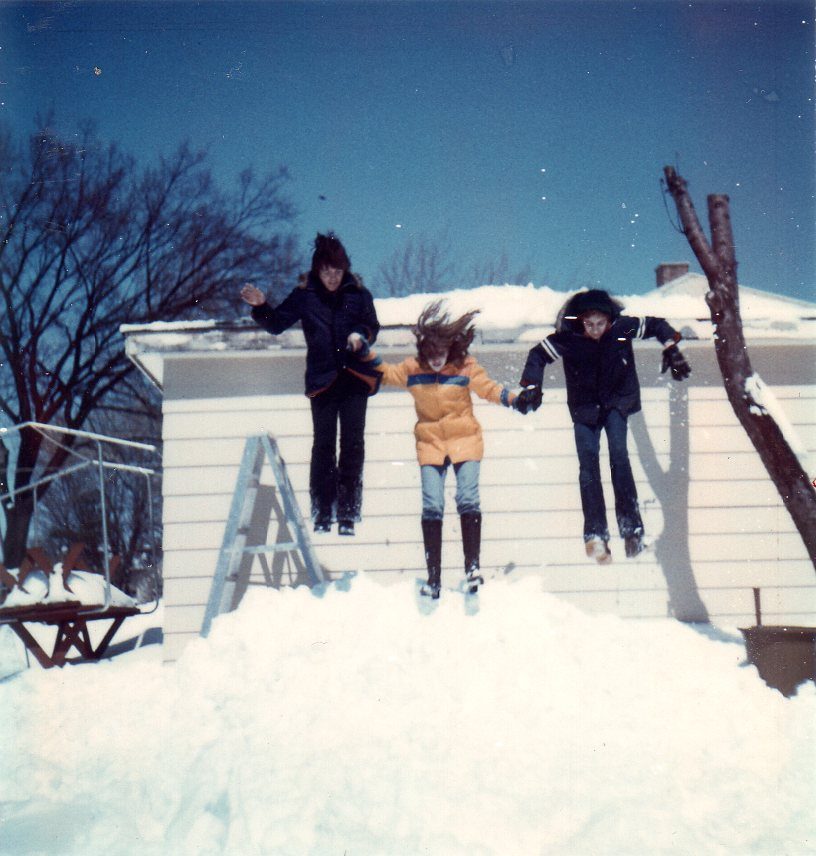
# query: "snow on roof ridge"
514,307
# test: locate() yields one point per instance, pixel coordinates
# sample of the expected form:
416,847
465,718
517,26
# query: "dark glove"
674,360
363,350
528,400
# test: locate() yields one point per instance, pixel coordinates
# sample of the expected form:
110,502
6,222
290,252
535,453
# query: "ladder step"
271,548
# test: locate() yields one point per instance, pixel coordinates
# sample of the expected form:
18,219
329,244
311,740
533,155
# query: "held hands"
253,296
357,345
674,360
528,400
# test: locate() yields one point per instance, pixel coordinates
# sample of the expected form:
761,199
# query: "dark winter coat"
327,318
600,375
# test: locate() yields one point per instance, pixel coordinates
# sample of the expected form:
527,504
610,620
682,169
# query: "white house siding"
718,525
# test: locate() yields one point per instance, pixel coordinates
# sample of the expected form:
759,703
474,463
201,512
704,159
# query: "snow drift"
345,721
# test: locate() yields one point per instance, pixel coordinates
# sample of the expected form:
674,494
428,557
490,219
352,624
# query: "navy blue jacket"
600,376
327,319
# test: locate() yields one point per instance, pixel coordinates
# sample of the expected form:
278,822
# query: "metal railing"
85,461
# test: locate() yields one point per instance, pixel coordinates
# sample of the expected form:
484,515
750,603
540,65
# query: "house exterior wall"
719,527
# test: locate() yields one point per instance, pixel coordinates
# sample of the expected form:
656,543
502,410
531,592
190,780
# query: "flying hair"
435,332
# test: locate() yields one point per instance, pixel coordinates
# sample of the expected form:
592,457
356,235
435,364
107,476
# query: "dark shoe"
322,524
430,590
345,527
633,545
473,580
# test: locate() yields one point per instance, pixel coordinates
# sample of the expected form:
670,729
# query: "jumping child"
337,314
441,378
594,339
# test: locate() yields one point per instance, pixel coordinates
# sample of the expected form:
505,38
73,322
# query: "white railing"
86,461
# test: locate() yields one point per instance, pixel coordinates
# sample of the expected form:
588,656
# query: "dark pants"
336,485
587,443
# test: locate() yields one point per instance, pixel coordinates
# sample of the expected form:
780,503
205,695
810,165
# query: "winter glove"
528,400
362,348
674,360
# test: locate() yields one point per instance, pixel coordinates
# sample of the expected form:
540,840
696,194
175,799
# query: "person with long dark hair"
337,315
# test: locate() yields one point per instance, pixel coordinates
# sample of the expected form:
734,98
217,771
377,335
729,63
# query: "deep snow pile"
352,723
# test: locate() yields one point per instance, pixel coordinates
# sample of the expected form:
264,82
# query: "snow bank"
351,723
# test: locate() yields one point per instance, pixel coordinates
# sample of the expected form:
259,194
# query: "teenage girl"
441,378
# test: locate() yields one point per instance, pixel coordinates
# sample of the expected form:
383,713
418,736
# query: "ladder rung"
271,548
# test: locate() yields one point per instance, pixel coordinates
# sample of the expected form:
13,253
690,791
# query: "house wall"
718,525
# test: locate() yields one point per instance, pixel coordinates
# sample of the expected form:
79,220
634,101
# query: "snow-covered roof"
509,314
764,314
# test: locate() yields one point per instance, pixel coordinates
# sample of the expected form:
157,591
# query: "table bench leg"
72,633
32,644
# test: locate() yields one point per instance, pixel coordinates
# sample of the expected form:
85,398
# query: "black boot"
471,544
432,536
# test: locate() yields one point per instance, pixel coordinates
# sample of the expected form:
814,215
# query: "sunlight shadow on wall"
672,490
277,569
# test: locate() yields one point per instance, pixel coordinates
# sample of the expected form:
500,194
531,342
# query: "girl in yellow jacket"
441,378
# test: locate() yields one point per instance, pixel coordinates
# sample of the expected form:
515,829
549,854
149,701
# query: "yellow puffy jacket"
446,426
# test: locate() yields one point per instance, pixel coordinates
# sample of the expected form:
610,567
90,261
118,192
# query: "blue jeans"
433,488
587,443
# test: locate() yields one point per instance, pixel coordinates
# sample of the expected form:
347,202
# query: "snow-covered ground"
349,722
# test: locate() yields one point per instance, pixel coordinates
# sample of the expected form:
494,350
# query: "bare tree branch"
90,242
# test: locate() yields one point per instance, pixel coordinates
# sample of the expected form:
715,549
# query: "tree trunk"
719,264
18,520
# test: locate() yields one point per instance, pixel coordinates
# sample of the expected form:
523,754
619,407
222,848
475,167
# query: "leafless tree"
426,265
719,263
423,265
91,241
498,272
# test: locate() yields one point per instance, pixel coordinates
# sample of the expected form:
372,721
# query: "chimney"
668,271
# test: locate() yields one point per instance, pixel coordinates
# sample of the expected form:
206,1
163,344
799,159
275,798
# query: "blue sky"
538,129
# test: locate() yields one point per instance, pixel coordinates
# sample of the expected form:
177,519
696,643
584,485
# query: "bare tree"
498,272
89,242
423,265
426,265
719,263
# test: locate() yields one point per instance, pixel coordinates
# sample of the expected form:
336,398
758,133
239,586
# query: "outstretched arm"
393,374
274,320
545,353
485,387
651,327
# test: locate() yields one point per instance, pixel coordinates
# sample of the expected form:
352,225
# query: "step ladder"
257,450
